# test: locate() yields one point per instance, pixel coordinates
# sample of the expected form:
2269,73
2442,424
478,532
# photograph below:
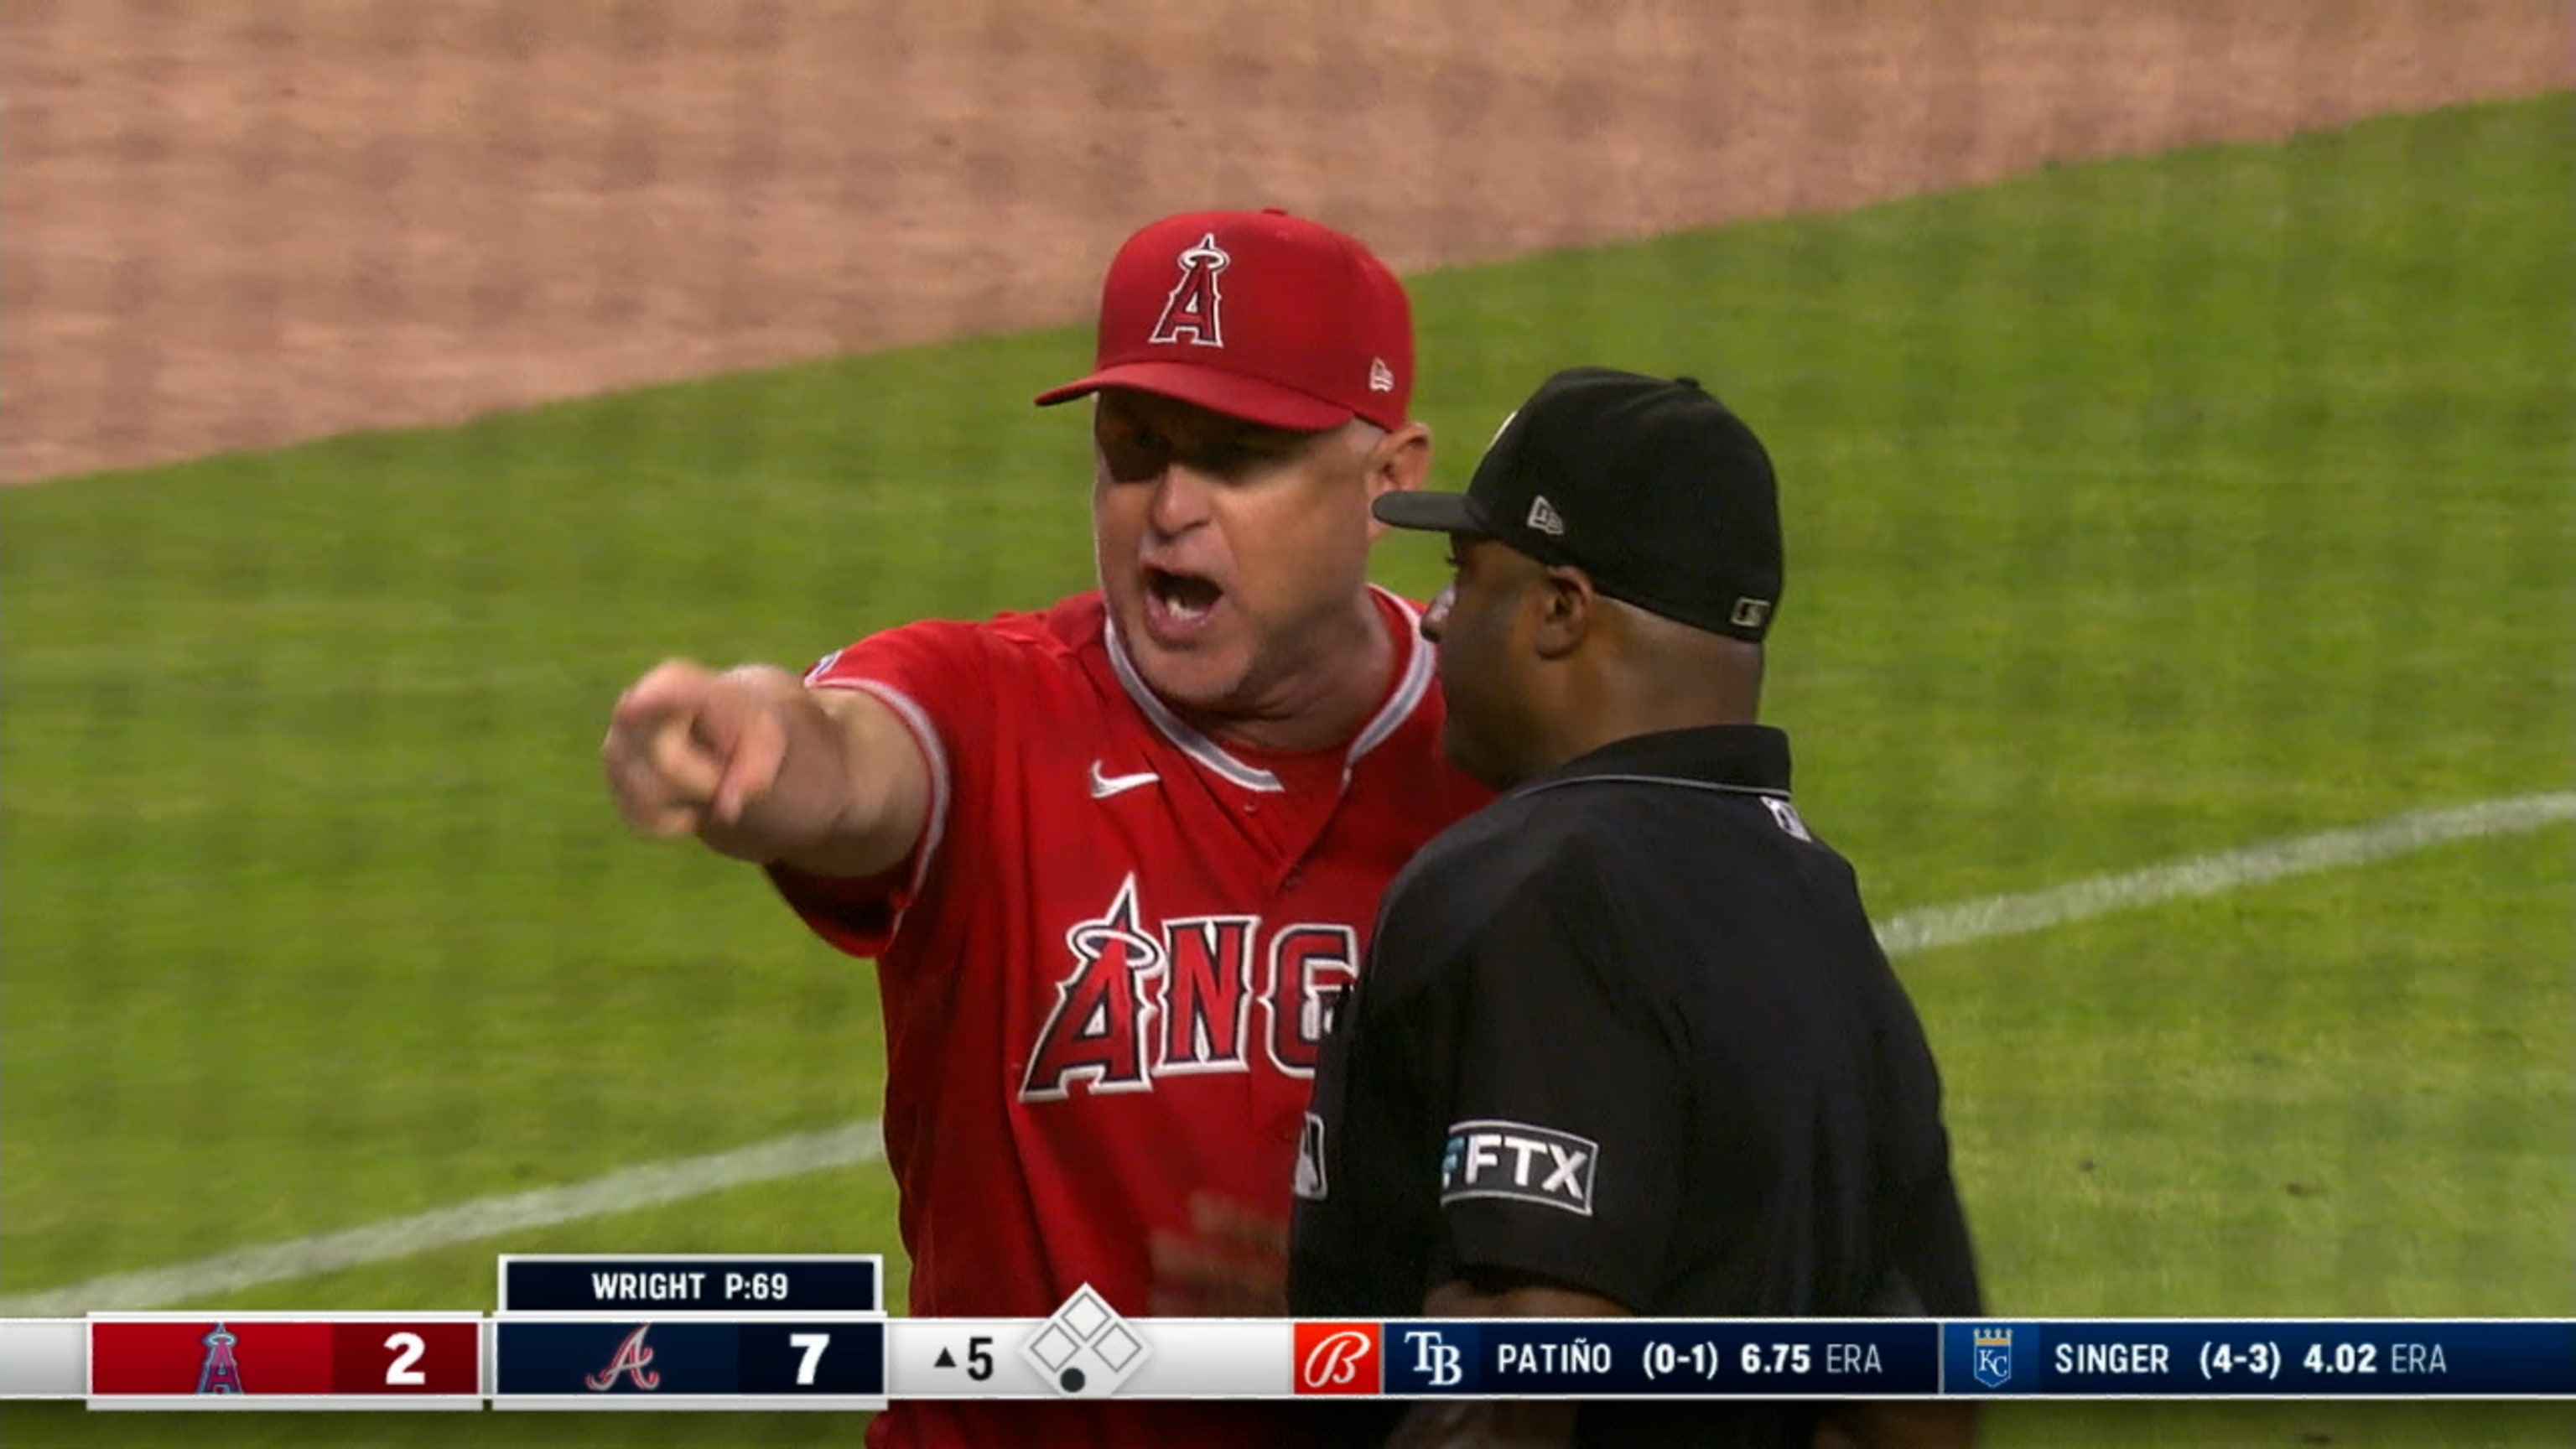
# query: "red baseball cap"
1258,315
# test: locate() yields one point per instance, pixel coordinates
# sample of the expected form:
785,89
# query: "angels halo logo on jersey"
1148,1000
1195,312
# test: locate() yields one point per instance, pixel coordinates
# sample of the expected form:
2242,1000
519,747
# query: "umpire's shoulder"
1515,844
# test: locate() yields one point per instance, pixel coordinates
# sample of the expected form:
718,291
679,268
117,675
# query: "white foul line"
625,1190
656,1184
2207,875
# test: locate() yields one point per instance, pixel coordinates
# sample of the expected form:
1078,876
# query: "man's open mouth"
1181,597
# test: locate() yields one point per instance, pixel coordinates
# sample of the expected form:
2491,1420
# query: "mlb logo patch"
1310,1183
1487,1157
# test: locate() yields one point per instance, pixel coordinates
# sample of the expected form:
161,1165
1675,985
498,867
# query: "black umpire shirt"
1629,1029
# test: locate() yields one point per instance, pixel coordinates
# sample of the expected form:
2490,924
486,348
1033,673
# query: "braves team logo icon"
1338,1358
634,1360
221,1373
1195,310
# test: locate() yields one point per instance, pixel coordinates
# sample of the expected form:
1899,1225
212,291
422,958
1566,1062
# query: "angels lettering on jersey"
1140,1000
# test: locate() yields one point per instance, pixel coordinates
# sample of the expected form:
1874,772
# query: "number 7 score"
687,1361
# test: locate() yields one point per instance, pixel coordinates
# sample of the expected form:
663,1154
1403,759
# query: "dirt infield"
232,225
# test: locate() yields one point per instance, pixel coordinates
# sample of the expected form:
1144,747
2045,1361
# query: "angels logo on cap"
1193,311
1273,318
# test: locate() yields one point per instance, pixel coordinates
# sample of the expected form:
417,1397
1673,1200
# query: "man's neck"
1327,698
1617,720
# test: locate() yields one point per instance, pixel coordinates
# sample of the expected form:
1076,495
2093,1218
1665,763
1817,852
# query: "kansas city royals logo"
634,1360
1994,1356
1195,310
222,1372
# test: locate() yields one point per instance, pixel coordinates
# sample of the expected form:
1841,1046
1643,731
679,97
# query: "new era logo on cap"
1542,516
1258,315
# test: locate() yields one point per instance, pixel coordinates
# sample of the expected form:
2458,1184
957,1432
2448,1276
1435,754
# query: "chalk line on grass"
659,1183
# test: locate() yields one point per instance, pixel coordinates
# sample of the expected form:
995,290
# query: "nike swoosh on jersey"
1104,786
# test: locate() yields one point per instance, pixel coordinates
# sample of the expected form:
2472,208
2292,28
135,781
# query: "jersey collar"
1753,759
1413,681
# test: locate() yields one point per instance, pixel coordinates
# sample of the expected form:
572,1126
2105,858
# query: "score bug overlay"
690,1331
688,1361
285,1361
2299,1358
762,1359
666,1283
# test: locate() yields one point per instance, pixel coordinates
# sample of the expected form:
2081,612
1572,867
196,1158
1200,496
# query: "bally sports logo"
1339,1358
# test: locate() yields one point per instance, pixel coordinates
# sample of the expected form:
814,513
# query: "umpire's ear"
1397,462
1569,610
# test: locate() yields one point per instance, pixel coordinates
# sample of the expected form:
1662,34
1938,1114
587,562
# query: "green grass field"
2135,512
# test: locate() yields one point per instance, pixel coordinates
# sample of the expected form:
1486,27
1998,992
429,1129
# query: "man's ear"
1569,609
1399,463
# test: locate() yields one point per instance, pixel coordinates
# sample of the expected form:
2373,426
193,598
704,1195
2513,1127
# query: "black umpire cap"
1650,485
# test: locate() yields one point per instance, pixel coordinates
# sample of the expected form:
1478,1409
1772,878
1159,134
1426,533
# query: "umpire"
1626,1042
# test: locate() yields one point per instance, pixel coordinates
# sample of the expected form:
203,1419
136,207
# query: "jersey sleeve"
1567,1121
936,677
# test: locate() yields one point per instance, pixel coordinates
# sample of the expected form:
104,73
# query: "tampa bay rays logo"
634,1360
1195,309
221,1373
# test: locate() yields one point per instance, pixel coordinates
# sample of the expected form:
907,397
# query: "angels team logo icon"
222,1371
1194,311
634,1360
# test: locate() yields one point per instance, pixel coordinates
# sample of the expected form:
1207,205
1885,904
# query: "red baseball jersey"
1106,970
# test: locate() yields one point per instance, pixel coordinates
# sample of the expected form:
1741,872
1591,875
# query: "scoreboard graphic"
687,1331
780,1332
285,1361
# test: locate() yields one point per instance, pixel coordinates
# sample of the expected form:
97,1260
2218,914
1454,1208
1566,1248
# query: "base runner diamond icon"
1085,1349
